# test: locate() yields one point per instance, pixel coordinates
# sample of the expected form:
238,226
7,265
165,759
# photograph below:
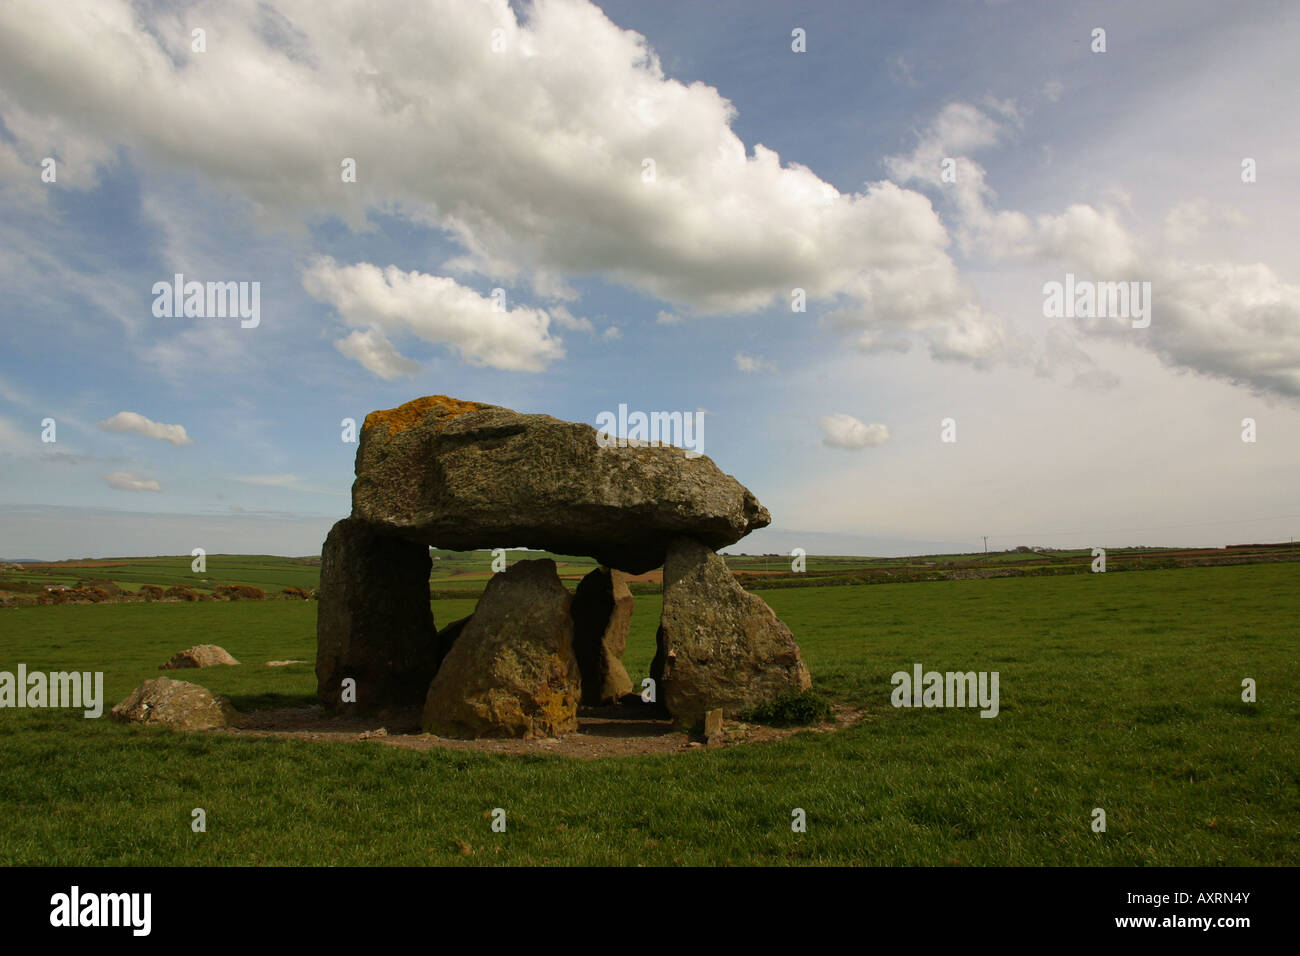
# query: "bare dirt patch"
602,732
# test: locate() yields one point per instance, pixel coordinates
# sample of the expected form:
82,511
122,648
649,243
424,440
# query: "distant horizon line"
730,554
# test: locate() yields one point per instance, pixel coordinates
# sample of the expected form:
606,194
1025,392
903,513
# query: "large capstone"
373,620
718,645
511,670
464,475
602,615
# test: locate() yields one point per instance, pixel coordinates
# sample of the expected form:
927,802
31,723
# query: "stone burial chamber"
441,472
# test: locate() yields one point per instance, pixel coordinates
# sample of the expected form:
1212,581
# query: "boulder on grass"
511,671
718,645
373,620
200,655
176,704
602,615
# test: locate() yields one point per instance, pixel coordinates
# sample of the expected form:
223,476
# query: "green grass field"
467,572
1118,691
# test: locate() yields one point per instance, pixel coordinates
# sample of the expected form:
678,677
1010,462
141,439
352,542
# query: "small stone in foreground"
176,704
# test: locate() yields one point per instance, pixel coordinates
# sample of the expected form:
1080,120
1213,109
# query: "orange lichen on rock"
413,412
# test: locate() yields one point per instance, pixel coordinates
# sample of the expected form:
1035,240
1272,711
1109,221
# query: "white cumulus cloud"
753,363
845,431
125,481
137,423
530,157
435,309
1238,322
376,355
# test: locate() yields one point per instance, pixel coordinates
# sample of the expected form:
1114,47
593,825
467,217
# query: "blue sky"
521,168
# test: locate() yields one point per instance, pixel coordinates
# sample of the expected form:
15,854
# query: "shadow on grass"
270,701
1238,707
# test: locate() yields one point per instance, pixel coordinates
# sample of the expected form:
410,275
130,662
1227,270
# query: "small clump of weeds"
791,709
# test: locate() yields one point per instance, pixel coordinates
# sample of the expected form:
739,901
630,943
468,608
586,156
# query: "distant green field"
1118,691
268,572
469,571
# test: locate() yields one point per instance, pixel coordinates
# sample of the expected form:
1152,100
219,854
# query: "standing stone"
713,727
511,671
602,614
373,621
447,638
719,645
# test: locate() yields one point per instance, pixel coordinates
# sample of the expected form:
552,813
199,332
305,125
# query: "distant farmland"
464,573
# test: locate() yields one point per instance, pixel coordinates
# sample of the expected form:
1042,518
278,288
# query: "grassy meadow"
1119,691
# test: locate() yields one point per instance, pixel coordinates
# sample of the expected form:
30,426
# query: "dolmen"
460,475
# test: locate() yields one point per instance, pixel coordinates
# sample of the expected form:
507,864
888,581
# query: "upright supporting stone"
719,645
713,727
447,638
602,614
511,671
373,620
